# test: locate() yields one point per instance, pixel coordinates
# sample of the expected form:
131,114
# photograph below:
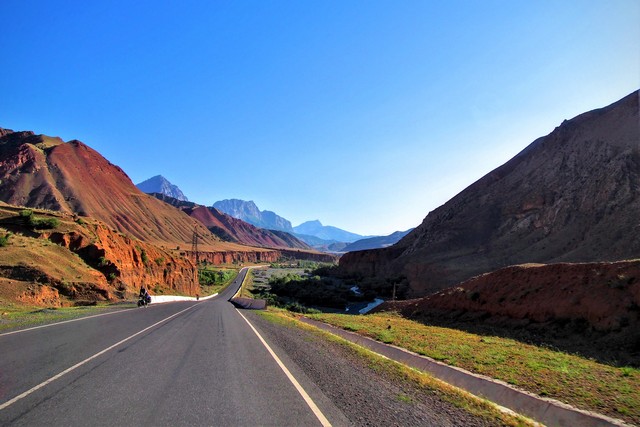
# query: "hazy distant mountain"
321,244
326,232
570,196
159,184
376,242
249,212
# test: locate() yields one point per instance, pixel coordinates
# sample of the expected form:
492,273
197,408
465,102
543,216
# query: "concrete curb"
547,411
159,299
249,303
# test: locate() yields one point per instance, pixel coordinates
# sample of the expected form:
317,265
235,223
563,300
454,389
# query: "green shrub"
4,241
43,223
38,222
144,257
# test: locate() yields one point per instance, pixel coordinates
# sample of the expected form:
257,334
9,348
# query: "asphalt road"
183,363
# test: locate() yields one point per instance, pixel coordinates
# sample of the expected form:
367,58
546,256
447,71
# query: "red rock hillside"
600,301
43,172
571,196
81,260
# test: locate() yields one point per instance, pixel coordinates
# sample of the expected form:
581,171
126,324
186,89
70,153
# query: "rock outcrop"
160,184
571,196
249,212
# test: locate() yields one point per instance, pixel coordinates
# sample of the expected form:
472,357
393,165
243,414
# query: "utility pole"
194,247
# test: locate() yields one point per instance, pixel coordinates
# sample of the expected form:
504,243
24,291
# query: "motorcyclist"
144,295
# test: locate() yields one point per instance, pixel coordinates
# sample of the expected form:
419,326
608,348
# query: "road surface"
183,363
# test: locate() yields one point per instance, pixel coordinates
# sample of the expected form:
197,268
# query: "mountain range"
311,234
322,237
570,196
233,229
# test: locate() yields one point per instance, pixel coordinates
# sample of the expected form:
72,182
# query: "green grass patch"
571,379
404,398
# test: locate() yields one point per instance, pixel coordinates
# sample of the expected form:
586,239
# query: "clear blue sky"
363,114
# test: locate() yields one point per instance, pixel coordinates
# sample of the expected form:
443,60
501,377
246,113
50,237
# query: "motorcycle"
144,300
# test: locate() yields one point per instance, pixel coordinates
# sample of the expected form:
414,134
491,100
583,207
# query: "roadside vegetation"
470,403
14,316
215,279
568,378
307,290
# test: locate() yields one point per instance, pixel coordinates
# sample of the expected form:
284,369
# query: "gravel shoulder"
362,391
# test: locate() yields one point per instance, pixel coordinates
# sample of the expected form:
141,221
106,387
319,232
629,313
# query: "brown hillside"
571,196
592,307
44,172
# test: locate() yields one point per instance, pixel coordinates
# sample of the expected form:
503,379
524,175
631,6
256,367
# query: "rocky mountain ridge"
160,184
249,212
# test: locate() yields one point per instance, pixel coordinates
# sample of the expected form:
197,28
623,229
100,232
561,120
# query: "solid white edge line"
77,365
314,408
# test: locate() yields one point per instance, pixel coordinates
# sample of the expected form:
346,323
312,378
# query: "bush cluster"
326,287
214,277
313,290
38,222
